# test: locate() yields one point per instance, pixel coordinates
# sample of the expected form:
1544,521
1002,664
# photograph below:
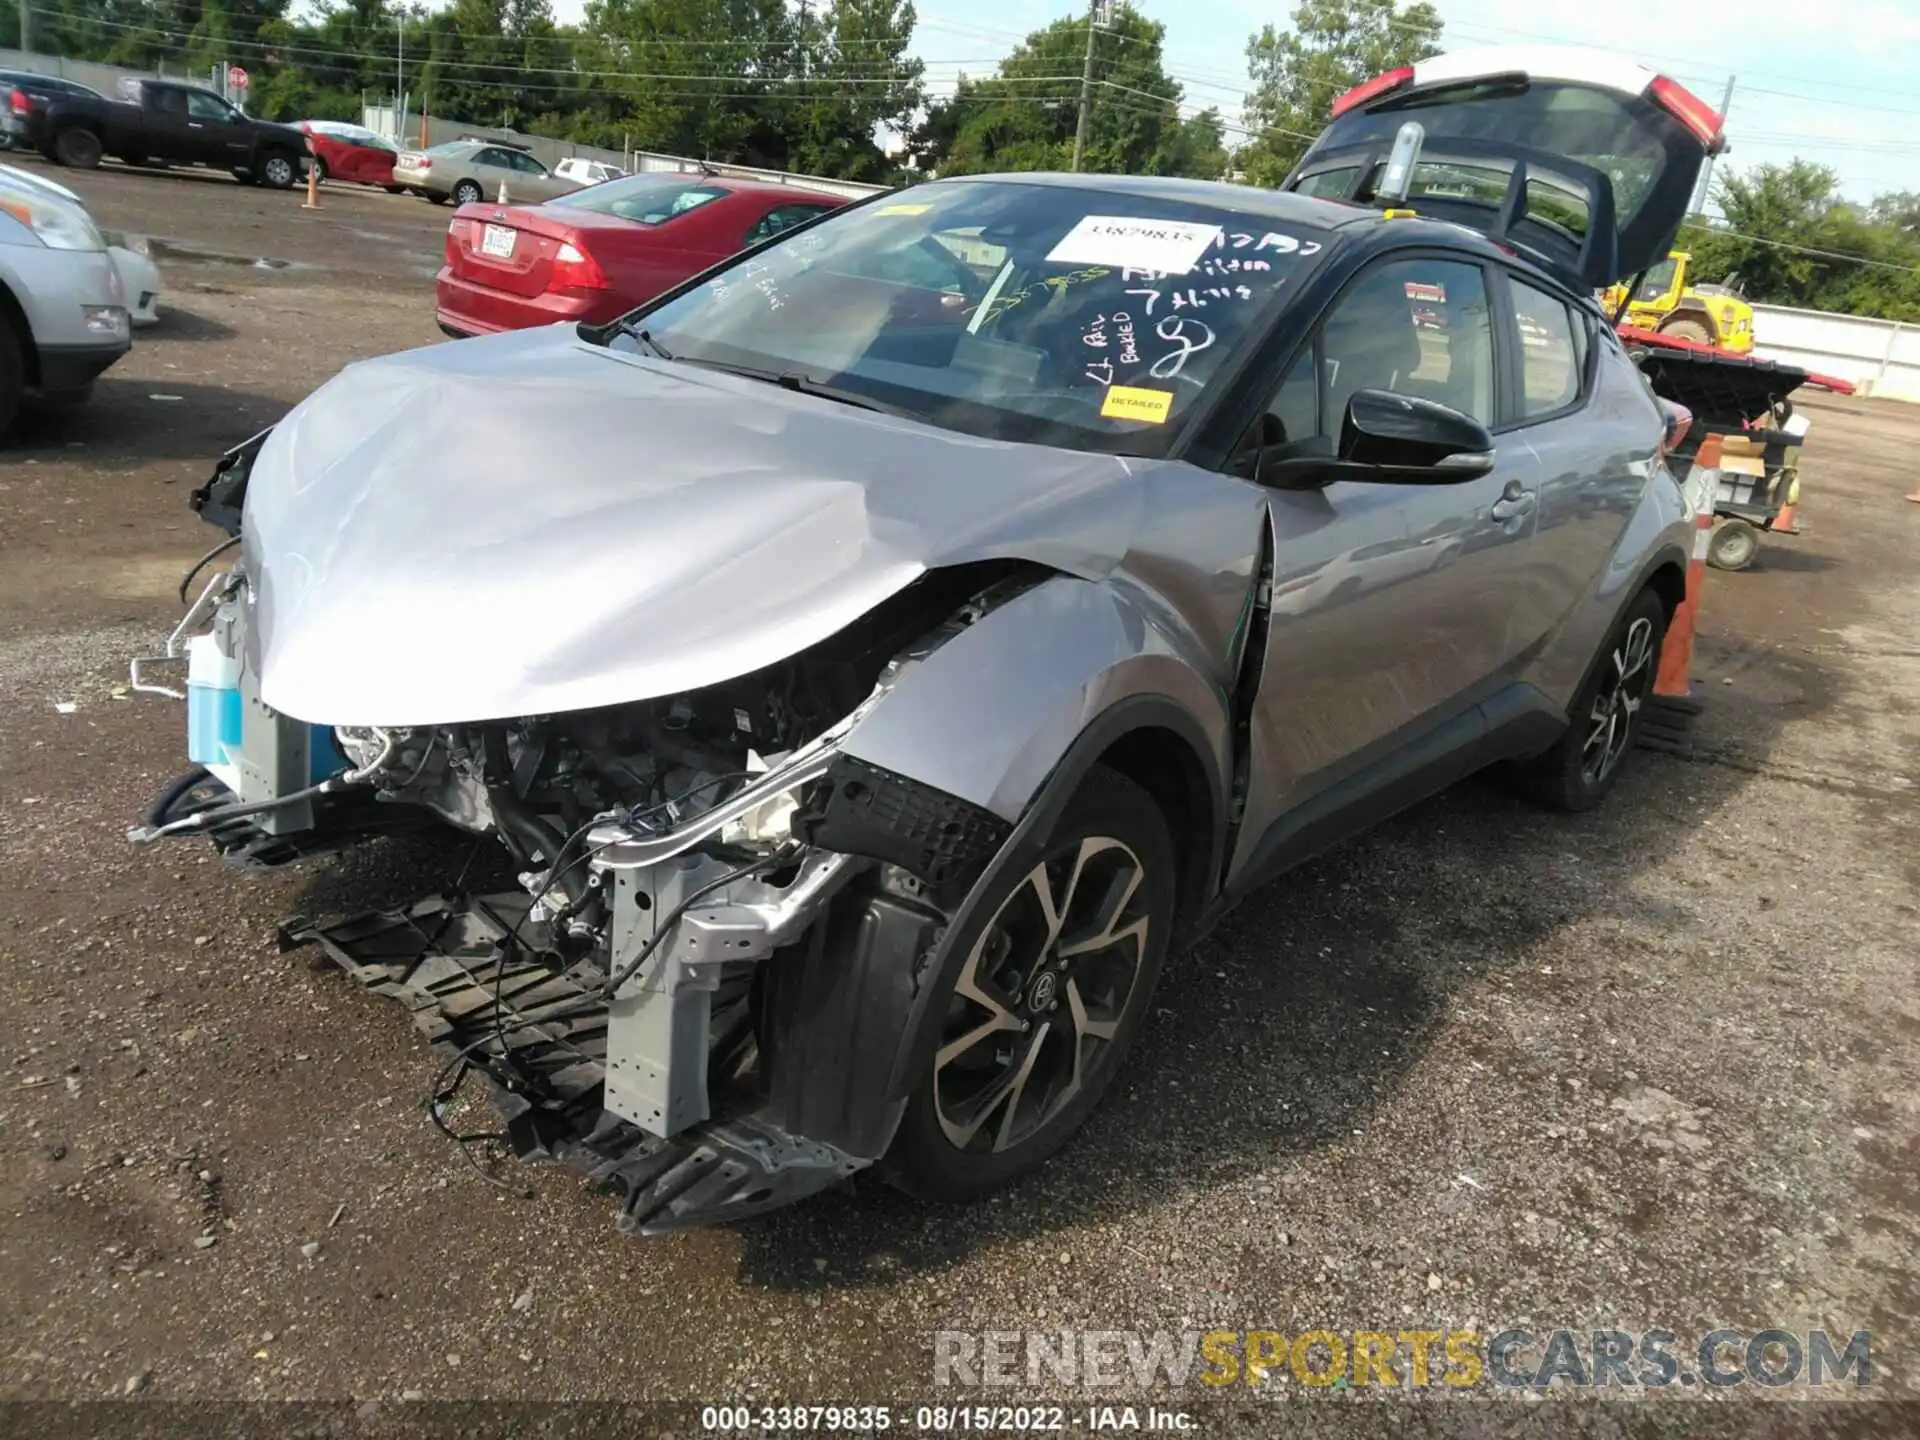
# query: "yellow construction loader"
1707,314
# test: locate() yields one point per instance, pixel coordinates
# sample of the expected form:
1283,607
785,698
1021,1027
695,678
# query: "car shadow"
1286,1030
150,419
177,324
1295,1022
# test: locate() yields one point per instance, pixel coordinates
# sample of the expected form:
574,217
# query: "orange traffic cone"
503,194
1671,709
313,188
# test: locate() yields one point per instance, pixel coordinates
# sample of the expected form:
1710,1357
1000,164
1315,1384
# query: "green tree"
1297,74
1792,240
1024,117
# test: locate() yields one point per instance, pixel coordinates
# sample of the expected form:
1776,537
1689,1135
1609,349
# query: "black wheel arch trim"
891,955
1128,716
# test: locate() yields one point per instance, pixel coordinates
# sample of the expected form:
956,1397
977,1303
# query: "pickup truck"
163,120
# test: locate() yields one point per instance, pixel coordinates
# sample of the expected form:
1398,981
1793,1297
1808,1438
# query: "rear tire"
13,373
1604,720
78,148
468,192
1030,1021
245,177
319,170
436,199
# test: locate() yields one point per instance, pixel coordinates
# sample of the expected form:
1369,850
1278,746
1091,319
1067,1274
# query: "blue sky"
1840,94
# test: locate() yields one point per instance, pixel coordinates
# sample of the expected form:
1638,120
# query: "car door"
216,133
1592,467
169,135
538,182
1390,612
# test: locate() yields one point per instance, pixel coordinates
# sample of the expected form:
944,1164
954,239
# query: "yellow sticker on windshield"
1124,402
920,209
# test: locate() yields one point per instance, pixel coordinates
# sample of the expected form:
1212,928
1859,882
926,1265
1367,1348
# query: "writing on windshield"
1004,308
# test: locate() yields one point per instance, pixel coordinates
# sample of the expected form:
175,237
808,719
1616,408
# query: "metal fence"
1881,357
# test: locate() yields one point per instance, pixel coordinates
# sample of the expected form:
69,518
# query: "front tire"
1587,761
1041,996
13,376
278,170
1733,544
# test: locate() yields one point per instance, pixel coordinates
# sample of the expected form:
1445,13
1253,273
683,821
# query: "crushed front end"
699,986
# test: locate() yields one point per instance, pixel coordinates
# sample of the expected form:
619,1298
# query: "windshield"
1021,311
646,199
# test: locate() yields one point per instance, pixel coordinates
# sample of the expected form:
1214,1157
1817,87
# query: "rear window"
1650,157
646,199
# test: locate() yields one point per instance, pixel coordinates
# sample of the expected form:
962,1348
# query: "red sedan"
598,252
351,152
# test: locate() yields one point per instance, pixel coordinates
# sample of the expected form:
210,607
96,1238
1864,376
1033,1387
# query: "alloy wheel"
278,172
1616,701
1041,997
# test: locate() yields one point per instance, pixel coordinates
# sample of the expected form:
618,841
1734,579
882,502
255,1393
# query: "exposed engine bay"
684,865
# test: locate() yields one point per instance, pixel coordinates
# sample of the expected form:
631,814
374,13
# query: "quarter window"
1550,352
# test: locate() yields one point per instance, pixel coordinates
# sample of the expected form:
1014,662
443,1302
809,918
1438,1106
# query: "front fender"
991,714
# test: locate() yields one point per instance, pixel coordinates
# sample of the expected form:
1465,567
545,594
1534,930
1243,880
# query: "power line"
1810,250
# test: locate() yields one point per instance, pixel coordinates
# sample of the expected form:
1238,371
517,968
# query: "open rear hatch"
1583,162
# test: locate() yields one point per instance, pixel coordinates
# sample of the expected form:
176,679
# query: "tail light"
1372,89
1689,109
421,162
459,232
574,269
17,102
1679,422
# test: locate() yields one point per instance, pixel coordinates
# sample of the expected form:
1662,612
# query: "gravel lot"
1655,1067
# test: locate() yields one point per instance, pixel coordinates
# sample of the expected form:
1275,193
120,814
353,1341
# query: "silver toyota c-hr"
879,652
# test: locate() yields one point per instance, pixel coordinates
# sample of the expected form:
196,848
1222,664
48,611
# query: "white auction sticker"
1172,247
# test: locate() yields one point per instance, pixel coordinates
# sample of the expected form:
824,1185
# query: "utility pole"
26,26
1701,191
1094,11
399,72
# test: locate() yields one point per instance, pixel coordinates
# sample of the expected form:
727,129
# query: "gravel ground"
1485,1068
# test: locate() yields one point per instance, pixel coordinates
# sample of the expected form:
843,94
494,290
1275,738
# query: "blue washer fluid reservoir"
214,716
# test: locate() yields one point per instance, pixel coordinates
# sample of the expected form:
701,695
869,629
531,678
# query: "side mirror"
1401,433
1386,439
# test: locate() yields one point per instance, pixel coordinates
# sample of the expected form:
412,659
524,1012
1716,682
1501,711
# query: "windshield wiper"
603,333
802,384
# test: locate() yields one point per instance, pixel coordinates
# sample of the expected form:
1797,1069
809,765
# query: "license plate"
498,240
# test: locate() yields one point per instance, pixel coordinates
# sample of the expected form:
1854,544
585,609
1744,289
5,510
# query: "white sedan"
139,276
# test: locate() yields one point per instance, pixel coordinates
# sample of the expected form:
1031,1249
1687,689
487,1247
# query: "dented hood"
531,523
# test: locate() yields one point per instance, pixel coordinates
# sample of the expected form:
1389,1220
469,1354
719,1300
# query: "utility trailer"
1748,403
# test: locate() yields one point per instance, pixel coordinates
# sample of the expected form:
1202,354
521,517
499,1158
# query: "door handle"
1516,502
195,125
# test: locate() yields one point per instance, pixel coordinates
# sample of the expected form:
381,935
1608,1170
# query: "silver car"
468,171
877,654
63,311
